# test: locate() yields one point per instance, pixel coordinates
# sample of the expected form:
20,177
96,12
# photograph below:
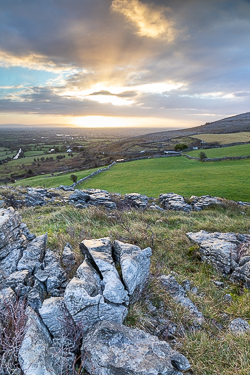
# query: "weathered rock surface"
112,349
239,326
135,265
137,200
172,201
33,255
228,253
34,355
179,295
68,257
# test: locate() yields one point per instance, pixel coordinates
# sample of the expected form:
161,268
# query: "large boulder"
113,349
137,200
172,201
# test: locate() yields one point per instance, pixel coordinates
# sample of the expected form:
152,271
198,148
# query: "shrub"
73,178
180,147
202,155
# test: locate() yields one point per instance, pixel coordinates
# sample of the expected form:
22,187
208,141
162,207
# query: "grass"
47,181
228,179
211,351
224,139
241,150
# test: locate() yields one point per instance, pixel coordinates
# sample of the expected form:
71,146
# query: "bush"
73,178
202,155
180,147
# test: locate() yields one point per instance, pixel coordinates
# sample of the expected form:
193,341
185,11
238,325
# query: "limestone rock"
33,255
68,257
137,200
135,265
7,297
239,326
172,201
34,355
112,349
178,293
99,254
56,317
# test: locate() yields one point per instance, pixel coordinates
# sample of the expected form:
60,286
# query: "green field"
228,179
241,150
46,181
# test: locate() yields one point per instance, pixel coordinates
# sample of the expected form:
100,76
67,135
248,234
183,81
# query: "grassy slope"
241,150
228,179
211,351
224,139
54,181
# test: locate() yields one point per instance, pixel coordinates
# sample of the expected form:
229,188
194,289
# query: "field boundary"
218,159
100,170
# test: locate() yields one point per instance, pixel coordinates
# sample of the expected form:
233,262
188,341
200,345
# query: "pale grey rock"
9,264
34,200
35,355
68,257
172,201
112,349
33,255
56,317
53,274
66,188
135,265
98,253
242,274
178,293
10,220
137,200
79,196
228,298
154,206
7,298
102,198
17,281
83,308
91,278
239,326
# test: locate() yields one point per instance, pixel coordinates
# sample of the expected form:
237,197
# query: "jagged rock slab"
91,279
99,254
79,196
68,257
56,317
135,265
33,255
10,220
112,349
102,198
199,203
179,294
34,355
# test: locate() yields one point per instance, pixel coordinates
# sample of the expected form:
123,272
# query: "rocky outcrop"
113,349
91,306
172,201
137,200
178,293
228,253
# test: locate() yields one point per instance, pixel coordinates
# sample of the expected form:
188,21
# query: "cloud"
150,20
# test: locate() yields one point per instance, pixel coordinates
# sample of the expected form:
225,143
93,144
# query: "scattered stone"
115,349
239,326
219,284
178,293
186,285
228,298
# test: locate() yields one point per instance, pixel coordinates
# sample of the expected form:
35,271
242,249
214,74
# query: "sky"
101,63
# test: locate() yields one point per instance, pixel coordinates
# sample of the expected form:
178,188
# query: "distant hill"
234,124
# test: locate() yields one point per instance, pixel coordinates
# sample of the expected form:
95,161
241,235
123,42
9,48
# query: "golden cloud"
150,20
33,61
